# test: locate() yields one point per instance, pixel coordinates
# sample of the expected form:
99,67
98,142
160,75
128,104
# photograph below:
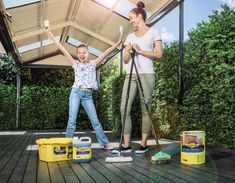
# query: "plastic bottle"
82,150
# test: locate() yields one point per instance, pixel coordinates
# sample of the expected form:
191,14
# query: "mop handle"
125,108
145,101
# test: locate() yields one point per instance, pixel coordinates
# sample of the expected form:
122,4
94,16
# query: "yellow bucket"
55,149
193,147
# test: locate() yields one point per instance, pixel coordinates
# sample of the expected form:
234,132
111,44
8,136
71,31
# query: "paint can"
193,147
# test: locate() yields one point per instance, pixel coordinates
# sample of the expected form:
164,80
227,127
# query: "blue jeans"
78,96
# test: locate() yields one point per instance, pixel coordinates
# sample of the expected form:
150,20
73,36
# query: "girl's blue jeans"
84,97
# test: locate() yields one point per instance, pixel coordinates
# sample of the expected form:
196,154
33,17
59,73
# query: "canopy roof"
93,22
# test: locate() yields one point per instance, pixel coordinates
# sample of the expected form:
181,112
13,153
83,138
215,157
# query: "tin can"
193,147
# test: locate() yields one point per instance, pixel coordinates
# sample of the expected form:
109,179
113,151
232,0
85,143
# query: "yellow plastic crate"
55,149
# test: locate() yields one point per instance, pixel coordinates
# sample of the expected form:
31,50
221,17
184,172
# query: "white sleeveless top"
85,75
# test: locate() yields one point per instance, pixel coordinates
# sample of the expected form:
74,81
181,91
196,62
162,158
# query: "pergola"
93,22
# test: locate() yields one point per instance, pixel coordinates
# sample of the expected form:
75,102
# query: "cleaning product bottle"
82,150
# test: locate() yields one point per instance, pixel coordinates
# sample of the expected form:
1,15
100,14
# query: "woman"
147,44
81,93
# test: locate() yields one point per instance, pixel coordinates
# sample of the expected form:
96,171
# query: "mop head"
119,159
160,158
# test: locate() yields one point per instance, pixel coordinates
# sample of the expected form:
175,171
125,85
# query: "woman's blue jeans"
78,96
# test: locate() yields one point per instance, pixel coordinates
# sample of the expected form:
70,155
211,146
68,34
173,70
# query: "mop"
160,157
120,158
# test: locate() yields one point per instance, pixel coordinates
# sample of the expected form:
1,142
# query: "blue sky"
195,11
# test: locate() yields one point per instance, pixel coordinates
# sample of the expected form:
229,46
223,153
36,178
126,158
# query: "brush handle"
46,24
121,30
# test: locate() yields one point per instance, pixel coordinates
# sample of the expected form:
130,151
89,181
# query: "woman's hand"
136,48
128,47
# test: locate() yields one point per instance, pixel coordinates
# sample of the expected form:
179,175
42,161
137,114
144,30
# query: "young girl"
81,93
147,44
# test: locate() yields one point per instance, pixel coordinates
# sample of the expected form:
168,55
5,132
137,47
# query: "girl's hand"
49,34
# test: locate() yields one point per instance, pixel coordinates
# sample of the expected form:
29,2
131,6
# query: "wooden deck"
19,162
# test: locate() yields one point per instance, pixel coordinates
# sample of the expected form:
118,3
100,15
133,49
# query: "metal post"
18,91
181,52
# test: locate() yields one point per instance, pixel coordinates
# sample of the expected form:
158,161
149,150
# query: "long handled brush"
159,157
121,159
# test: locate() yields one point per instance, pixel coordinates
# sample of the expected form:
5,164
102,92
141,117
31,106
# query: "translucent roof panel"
124,7
16,3
36,45
76,43
107,3
94,22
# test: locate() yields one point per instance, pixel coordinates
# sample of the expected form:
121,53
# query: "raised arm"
108,51
60,46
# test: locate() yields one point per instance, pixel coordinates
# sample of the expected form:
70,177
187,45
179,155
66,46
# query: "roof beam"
41,58
74,5
93,34
39,31
61,25
107,18
44,66
157,12
168,7
9,19
6,40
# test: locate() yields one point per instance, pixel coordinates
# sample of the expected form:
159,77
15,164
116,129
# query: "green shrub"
210,79
7,107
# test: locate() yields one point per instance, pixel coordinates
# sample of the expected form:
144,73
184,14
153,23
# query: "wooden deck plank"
11,159
169,171
144,160
30,174
94,173
82,175
6,149
20,165
131,170
114,169
136,172
4,141
195,173
187,175
67,172
9,150
204,172
55,173
43,175
105,171
18,173
155,177
161,170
